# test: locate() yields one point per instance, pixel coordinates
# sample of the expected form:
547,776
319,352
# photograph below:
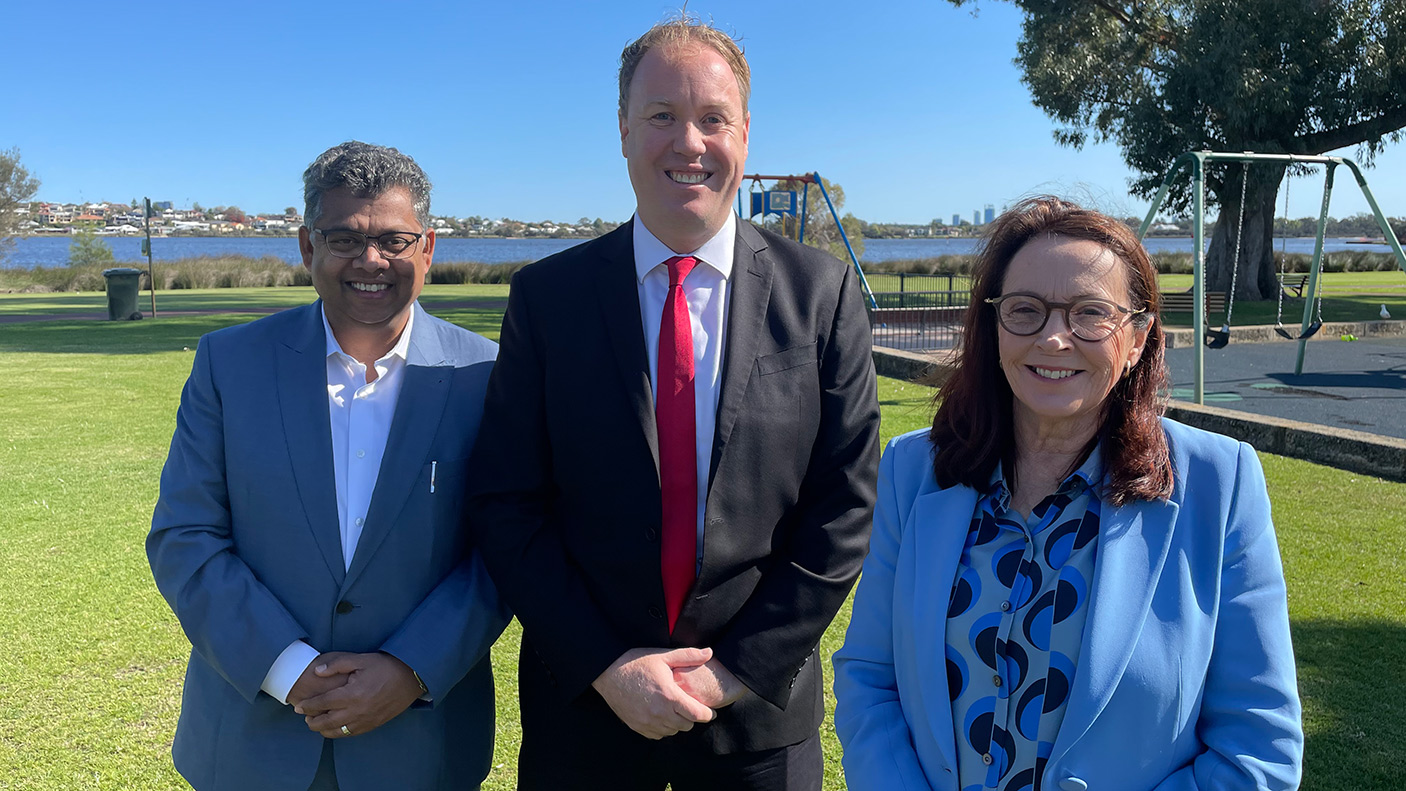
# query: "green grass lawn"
1347,296
92,659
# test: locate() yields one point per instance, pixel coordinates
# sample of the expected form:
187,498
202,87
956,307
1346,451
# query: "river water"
50,251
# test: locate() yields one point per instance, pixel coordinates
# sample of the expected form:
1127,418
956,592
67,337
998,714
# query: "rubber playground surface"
1358,385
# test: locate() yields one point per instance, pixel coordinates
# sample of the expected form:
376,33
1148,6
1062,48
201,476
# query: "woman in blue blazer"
1064,590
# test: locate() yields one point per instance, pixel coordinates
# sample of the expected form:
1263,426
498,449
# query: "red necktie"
678,458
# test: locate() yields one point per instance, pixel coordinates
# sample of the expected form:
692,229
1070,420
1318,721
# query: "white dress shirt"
705,288
361,414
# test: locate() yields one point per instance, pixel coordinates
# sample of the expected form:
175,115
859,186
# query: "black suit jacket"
564,482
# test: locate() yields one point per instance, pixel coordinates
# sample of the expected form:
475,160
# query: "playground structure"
1196,162
783,202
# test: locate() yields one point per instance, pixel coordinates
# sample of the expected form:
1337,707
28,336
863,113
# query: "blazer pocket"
787,359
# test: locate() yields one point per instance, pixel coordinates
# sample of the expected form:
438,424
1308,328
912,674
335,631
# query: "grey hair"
368,171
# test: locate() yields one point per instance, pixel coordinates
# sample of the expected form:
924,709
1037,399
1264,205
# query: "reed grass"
221,271
1166,263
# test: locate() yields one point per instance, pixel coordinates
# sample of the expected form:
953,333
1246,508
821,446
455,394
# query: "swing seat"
1217,339
1308,333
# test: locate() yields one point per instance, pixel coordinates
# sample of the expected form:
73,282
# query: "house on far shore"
54,214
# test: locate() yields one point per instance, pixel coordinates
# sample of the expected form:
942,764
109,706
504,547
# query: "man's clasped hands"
343,694
658,692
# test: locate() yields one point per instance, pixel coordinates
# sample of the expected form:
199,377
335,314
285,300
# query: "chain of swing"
1218,339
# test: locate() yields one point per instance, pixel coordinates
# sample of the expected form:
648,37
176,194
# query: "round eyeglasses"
1087,319
350,244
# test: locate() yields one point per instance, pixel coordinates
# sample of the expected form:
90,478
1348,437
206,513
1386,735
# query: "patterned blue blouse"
1014,626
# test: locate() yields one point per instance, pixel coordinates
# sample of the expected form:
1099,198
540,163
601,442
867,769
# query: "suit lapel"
938,529
617,291
307,429
424,392
1132,549
749,293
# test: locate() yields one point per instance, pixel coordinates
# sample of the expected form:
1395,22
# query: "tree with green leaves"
820,224
1163,77
87,249
16,188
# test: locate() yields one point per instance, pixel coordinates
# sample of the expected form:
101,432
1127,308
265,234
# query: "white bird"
1384,314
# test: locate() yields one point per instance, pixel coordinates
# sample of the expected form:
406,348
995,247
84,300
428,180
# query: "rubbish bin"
123,285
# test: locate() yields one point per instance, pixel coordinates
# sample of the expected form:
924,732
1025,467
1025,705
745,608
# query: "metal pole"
805,199
1316,267
1162,193
862,280
1198,274
150,269
1377,212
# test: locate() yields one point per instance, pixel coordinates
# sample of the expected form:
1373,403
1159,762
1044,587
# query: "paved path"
102,316
1359,385
27,318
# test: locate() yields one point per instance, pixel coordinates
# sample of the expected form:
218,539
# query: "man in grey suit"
309,533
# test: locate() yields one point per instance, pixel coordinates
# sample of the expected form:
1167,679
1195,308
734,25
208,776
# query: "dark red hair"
973,428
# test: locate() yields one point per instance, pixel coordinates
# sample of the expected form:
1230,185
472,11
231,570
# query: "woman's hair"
973,427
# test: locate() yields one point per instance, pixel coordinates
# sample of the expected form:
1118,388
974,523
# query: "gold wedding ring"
346,731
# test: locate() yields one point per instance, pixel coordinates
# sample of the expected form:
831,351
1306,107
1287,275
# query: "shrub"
470,272
87,249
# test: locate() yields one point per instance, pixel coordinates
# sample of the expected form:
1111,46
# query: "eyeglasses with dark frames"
1088,319
350,244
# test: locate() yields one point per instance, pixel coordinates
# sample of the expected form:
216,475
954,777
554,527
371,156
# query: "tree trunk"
1256,278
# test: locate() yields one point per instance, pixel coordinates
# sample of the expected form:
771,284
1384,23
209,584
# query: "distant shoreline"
238,235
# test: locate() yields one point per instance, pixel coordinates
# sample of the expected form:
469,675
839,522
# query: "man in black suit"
675,476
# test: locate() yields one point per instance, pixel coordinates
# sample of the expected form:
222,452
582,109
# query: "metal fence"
918,312
910,290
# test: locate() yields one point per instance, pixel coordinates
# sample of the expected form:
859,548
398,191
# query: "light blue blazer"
1186,674
246,548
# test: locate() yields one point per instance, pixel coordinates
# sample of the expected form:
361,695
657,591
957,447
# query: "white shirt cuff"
288,668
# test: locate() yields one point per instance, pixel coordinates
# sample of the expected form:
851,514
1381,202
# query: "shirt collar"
716,252
1086,477
399,351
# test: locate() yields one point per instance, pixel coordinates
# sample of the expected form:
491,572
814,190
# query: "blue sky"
913,106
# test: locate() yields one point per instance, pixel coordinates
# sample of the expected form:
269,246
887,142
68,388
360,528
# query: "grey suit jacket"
245,546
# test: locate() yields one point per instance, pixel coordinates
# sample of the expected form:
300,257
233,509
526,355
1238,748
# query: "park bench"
1294,283
1182,301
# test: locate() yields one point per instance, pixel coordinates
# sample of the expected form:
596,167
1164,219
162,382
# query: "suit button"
1073,784
655,612
344,607
650,534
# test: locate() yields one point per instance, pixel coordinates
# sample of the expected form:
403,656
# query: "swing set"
783,203
1196,162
